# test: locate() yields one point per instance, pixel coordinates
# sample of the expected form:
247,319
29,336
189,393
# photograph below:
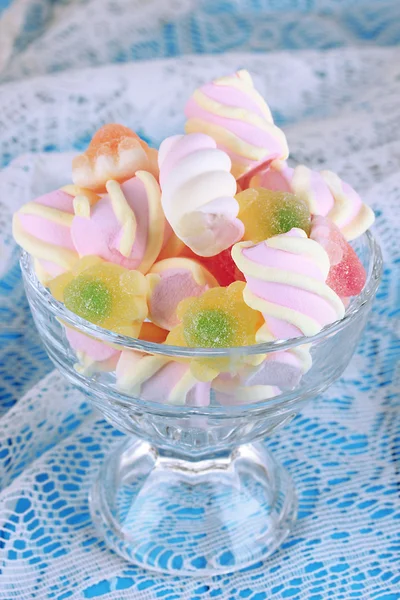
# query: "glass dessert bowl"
191,490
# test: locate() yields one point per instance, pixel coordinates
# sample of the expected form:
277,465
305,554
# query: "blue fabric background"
217,26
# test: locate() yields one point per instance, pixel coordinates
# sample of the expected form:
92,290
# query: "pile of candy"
214,241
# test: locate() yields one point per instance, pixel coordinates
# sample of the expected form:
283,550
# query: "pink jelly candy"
346,276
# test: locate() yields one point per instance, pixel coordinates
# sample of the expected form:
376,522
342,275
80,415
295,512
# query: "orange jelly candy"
115,152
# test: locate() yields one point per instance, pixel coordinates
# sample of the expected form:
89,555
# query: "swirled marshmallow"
157,378
235,115
286,281
198,193
43,228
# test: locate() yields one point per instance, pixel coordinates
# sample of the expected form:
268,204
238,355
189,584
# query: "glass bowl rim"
360,304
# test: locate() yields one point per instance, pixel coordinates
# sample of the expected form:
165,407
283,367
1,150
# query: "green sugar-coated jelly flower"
266,213
89,298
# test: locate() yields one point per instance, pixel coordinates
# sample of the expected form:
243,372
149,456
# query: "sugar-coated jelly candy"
266,213
217,319
115,152
104,294
324,193
346,275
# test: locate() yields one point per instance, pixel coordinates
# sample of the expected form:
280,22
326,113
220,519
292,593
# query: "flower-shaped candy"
219,318
104,294
265,213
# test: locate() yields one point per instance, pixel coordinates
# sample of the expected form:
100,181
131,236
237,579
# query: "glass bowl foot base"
203,517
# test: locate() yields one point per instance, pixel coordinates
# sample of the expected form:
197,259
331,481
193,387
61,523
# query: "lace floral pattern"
341,110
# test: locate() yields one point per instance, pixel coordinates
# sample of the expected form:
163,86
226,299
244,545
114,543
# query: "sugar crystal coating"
171,281
266,213
115,152
89,298
211,327
217,319
104,294
106,140
346,275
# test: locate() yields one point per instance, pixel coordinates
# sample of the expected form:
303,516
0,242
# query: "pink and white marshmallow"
170,281
198,193
43,228
125,227
157,378
93,355
286,281
236,116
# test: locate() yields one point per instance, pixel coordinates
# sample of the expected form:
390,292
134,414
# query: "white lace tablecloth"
340,108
